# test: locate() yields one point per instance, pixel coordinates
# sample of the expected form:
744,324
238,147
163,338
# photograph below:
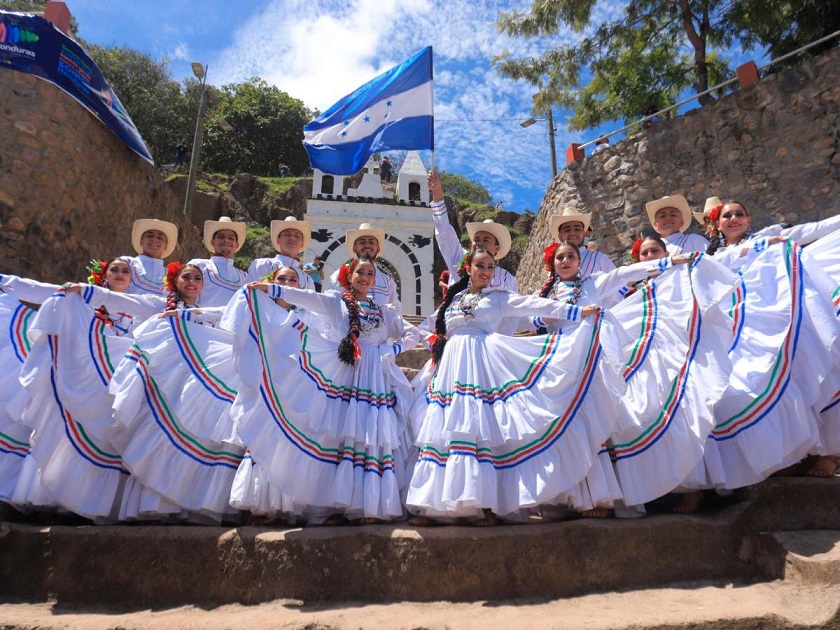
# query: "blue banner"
33,45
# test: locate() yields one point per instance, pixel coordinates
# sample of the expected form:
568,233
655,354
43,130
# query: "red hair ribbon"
636,251
464,265
172,269
548,256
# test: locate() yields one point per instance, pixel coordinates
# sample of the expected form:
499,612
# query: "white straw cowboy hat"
711,204
674,201
365,229
569,214
290,223
224,223
499,231
141,226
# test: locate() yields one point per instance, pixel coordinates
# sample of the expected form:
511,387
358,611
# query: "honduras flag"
393,111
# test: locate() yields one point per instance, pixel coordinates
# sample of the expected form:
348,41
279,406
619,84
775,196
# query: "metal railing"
711,89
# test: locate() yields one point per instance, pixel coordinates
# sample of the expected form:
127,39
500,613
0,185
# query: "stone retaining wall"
774,146
69,188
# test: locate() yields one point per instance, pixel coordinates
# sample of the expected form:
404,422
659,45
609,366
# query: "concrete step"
171,566
690,605
810,557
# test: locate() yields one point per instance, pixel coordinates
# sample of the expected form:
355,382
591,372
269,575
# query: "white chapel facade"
408,255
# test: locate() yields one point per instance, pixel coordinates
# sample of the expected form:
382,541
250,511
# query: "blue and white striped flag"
393,111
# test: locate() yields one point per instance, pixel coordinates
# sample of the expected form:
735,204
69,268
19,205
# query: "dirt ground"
769,605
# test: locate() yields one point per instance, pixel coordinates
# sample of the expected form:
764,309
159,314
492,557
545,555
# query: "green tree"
464,188
624,66
784,26
163,114
267,130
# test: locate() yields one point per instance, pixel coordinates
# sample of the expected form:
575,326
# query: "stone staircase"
778,542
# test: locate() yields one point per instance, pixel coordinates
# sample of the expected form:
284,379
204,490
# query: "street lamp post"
549,119
200,73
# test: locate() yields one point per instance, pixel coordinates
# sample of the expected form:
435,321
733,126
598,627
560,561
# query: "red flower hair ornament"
712,220
96,269
345,271
636,250
548,256
170,279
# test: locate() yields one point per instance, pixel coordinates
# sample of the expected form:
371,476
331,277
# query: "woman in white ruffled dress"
172,395
765,420
327,421
76,342
596,495
504,424
676,369
252,489
20,483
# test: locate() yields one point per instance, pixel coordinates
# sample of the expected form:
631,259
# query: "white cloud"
181,52
320,50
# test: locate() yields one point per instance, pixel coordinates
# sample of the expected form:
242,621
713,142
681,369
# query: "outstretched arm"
447,240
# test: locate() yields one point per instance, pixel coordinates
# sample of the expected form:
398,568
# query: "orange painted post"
574,153
747,74
58,14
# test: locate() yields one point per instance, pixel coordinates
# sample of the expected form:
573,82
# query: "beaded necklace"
370,316
467,302
572,296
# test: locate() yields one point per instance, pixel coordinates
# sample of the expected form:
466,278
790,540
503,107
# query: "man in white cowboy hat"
488,235
367,242
153,240
222,238
290,238
572,226
671,217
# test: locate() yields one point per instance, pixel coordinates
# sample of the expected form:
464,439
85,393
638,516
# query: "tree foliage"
267,130
784,25
621,68
652,51
156,103
464,188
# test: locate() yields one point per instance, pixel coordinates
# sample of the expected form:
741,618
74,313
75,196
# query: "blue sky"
320,50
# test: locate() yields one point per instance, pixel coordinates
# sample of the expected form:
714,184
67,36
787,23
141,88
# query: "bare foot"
823,466
489,520
421,521
367,520
597,513
689,502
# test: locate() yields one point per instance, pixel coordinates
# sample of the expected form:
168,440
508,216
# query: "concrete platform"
163,566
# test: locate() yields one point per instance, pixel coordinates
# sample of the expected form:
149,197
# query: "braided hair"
348,347
459,285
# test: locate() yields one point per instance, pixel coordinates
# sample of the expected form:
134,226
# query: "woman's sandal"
336,520
598,513
422,521
367,520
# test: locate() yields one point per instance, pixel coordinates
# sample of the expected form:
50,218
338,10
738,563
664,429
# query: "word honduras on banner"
393,111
